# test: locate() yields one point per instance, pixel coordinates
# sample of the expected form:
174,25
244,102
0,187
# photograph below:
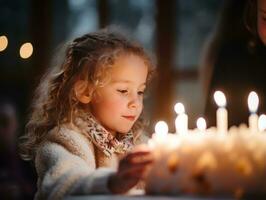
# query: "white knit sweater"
67,163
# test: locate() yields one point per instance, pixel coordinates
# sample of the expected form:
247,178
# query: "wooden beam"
165,47
103,13
41,33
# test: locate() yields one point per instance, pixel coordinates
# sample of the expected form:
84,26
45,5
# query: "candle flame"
161,129
262,122
253,102
201,124
179,108
219,98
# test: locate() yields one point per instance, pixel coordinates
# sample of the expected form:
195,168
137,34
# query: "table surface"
140,197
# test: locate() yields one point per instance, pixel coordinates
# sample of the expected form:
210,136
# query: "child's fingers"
137,171
137,174
129,163
143,163
141,147
132,173
141,159
139,166
139,156
139,153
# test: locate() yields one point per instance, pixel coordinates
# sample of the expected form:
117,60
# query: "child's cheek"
116,104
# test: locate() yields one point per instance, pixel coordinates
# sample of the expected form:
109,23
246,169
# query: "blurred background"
176,32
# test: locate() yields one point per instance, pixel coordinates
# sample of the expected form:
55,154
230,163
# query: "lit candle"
253,103
161,130
221,113
262,122
201,124
181,122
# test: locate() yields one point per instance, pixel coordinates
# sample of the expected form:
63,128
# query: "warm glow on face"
3,42
179,108
161,129
219,98
201,124
262,122
253,102
26,50
119,102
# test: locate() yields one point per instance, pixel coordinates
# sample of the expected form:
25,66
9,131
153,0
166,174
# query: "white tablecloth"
121,197
141,197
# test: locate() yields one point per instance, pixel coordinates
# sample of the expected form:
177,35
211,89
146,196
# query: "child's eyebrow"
121,81
126,81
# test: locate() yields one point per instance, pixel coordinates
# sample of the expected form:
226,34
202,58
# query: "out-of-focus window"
137,17
14,23
195,21
83,17
73,18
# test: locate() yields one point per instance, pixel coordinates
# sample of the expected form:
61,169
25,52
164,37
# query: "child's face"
120,102
262,20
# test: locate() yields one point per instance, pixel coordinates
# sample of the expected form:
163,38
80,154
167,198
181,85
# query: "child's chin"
124,130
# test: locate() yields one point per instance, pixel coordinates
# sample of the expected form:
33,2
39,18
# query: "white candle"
221,113
201,124
181,122
262,122
161,130
253,103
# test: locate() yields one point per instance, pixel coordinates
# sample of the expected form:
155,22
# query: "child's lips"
130,117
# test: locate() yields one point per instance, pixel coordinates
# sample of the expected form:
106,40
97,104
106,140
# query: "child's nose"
134,102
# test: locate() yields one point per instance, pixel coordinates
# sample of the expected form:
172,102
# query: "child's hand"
131,169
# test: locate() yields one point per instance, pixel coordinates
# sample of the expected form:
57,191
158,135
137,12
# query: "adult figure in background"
235,61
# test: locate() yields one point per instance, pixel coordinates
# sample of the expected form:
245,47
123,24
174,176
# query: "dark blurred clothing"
16,176
15,181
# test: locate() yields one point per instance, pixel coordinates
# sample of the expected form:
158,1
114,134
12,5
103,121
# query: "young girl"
86,116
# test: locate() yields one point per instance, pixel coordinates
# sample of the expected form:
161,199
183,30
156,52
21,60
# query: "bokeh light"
3,42
26,50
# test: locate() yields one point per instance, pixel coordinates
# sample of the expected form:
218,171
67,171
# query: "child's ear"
81,91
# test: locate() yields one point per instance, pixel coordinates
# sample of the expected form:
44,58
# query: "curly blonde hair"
89,58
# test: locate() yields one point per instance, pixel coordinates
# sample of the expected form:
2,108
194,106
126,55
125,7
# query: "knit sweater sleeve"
62,173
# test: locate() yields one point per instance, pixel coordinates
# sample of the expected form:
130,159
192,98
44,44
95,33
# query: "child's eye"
141,93
122,91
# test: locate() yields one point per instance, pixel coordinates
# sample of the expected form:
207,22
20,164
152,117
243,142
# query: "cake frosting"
208,163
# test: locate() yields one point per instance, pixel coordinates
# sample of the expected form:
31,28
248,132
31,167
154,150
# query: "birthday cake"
209,163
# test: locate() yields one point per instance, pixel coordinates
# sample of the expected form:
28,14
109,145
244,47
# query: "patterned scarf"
100,137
